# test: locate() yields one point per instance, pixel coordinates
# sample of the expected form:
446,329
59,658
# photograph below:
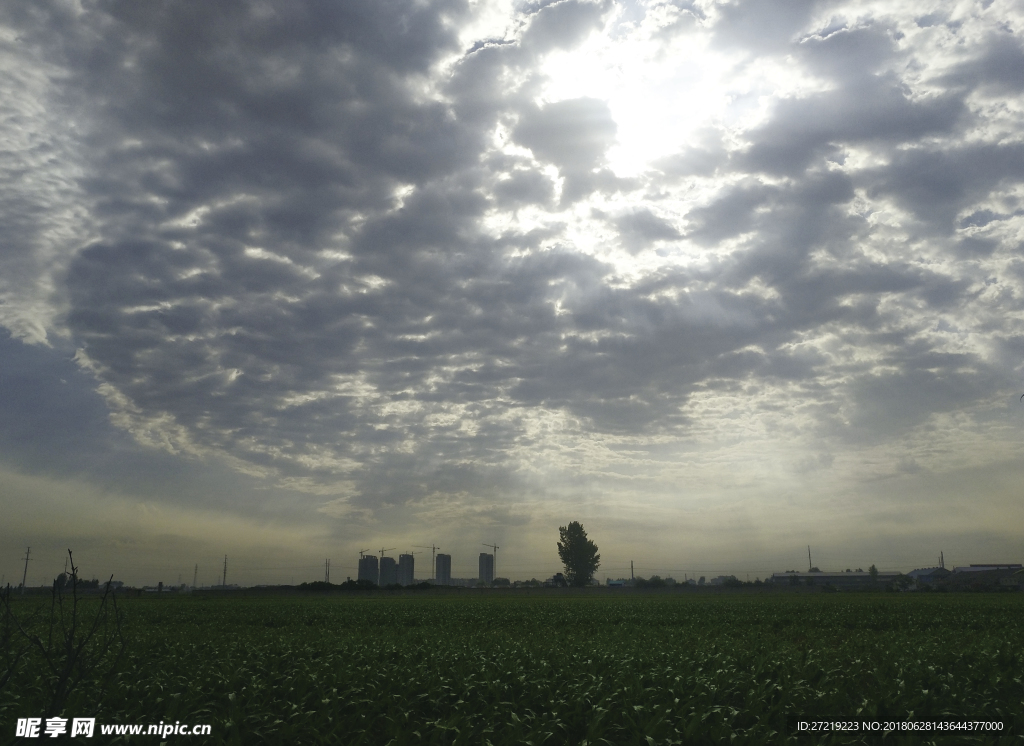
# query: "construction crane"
495,548
362,552
433,558
386,550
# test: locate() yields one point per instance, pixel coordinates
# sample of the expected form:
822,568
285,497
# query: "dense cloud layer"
352,248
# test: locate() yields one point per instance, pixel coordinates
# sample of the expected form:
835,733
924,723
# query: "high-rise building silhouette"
368,568
443,569
388,571
486,568
406,573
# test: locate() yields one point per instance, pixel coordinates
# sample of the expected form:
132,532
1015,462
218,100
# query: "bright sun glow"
667,86
660,92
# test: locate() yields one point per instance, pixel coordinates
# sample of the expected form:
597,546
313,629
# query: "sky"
720,280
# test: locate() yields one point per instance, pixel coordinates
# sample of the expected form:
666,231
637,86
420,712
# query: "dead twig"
75,649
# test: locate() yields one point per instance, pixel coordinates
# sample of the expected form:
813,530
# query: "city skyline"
248,575
718,280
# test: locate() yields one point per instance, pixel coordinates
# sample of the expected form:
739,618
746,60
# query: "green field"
549,668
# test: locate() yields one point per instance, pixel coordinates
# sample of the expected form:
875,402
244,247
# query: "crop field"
546,668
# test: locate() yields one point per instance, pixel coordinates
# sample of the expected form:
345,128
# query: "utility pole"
224,581
631,577
195,576
25,574
495,548
942,561
327,571
809,565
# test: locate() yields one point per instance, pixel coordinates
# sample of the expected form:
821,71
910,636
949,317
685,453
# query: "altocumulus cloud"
439,254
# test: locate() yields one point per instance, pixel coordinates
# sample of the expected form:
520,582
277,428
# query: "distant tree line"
361,585
67,580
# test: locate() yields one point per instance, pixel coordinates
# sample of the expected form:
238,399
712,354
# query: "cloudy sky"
720,280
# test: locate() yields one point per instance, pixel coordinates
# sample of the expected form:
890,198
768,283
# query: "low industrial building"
995,576
1010,566
928,576
835,579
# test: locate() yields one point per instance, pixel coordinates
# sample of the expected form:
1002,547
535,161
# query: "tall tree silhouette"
578,554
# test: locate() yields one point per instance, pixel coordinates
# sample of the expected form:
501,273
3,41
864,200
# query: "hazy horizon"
719,280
